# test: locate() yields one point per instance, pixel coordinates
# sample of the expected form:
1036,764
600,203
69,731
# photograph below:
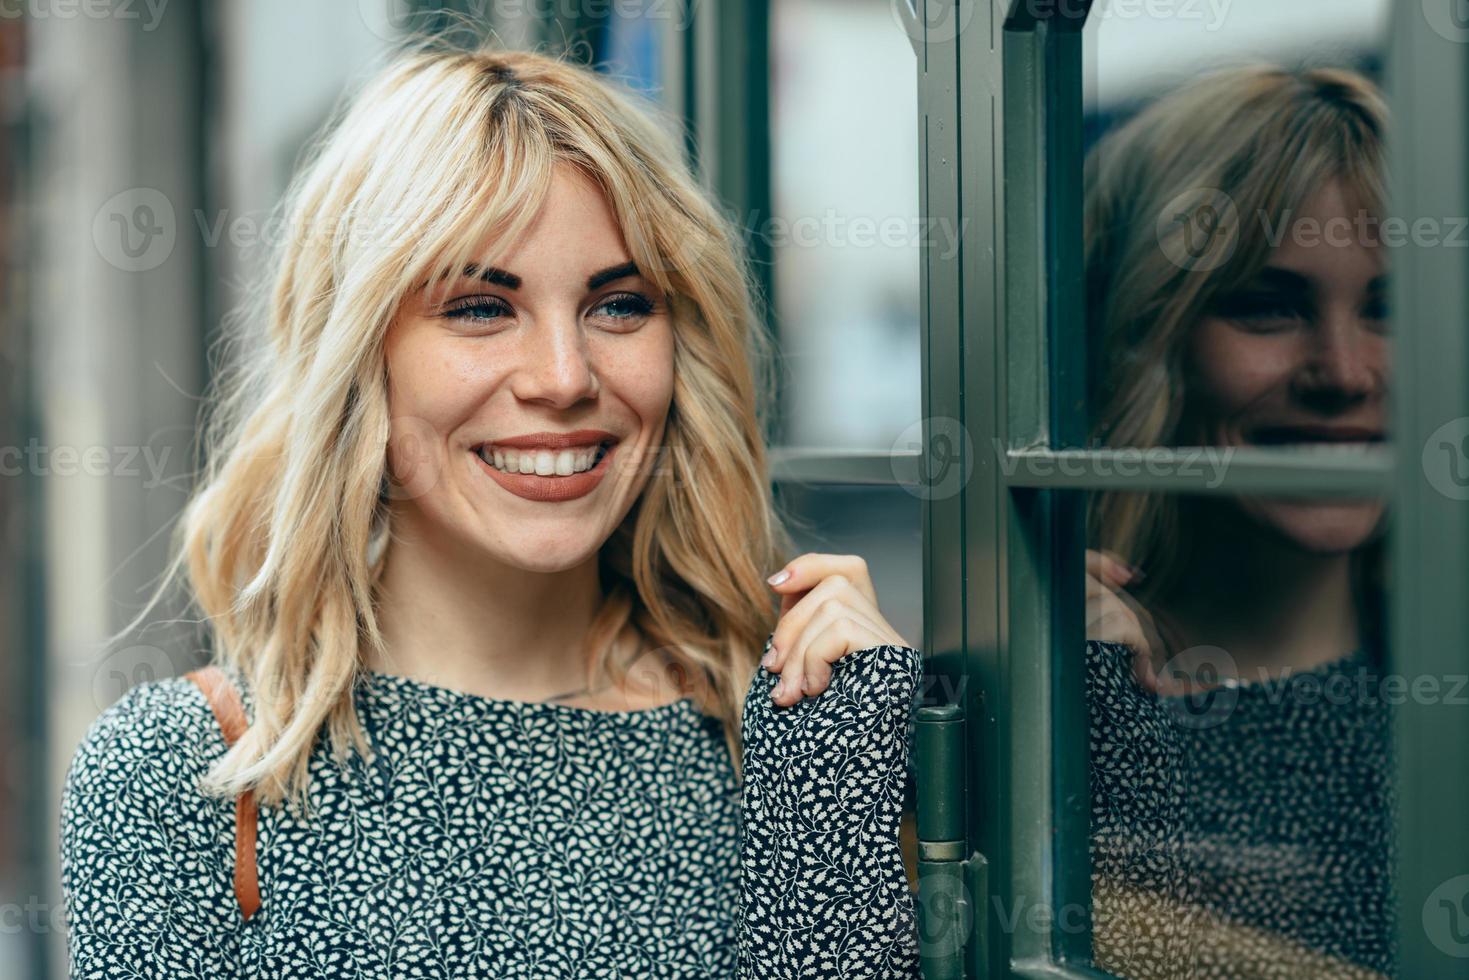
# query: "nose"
555,366
1345,362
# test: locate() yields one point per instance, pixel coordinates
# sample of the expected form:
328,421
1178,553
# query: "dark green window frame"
999,85
1005,100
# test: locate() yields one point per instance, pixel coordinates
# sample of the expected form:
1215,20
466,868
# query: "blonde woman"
1241,759
483,547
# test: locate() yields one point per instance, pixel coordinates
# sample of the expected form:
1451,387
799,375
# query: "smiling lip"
548,489
554,440
1280,435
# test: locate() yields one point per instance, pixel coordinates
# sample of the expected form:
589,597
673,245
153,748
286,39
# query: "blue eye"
625,306
477,308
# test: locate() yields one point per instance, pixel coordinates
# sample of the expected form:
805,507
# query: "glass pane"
630,45
845,232
1234,224
879,523
1240,716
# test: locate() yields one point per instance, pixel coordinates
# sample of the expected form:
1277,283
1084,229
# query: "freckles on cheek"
1230,370
642,373
433,382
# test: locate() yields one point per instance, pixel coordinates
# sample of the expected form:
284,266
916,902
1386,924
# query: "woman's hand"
1114,616
828,609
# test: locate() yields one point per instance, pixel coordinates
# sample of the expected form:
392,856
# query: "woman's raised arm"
823,889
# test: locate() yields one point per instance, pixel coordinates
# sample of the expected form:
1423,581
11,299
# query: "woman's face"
563,336
1301,356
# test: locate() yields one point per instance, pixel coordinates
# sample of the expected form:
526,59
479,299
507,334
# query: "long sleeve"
145,858
823,890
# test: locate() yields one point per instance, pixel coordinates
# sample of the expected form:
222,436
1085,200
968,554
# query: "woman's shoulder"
140,840
150,745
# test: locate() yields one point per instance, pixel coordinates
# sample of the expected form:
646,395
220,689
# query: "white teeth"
542,462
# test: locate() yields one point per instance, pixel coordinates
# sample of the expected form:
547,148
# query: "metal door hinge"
952,888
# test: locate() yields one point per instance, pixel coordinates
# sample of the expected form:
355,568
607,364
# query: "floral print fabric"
491,838
823,889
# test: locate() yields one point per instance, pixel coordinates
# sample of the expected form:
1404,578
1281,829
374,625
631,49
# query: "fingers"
799,610
828,609
1110,569
805,572
834,631
1114,617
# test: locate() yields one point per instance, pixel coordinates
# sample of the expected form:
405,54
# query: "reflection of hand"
1114,616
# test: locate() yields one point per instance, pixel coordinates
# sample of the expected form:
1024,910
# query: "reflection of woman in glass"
483,547
1240,768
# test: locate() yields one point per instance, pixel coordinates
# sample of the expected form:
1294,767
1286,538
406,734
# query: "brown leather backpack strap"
224,701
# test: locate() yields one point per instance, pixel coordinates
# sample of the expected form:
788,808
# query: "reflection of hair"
1180,206
283,540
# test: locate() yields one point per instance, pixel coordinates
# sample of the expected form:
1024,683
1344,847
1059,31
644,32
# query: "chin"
539,556
1324,527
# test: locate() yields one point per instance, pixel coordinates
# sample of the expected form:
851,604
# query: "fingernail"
779,576
779,689
769,657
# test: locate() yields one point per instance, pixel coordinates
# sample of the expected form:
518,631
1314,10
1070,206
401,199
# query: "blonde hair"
1251,144
284,539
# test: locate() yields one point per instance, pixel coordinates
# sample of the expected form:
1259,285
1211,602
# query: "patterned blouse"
1246,831
506,839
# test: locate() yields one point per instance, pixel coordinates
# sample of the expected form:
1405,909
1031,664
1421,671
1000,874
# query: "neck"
454,617
1274,607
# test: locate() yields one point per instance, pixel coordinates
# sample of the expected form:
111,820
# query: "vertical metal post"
1428,84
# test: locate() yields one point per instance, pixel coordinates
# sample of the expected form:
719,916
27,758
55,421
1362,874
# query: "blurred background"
145,144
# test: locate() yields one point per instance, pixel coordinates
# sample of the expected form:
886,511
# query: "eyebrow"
499,277
1284,279
1279,278
492,276
611,274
